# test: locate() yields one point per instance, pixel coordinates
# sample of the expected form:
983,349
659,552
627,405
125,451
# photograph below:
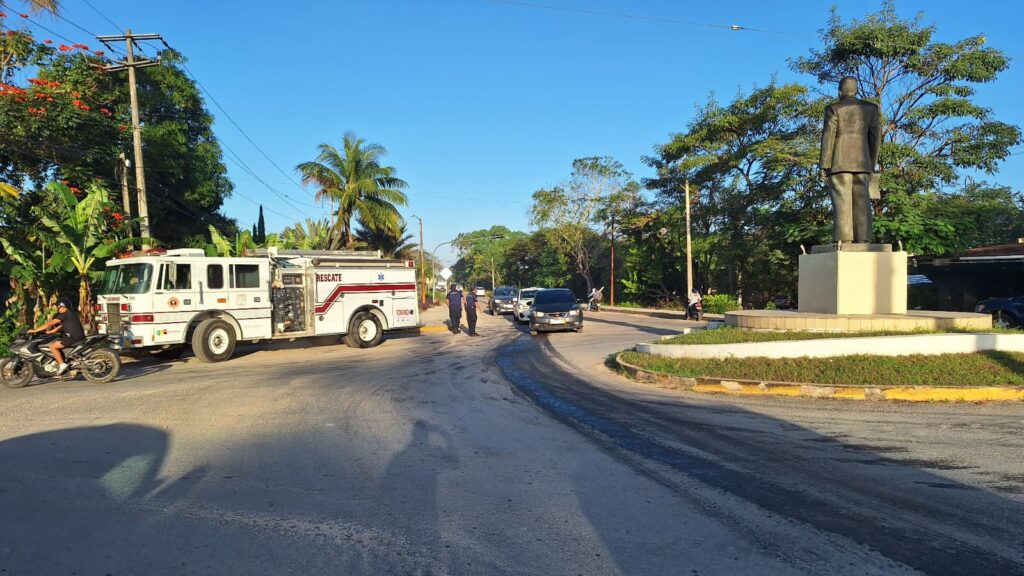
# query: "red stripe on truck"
342,288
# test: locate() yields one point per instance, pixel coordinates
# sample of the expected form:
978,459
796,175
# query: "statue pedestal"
856,279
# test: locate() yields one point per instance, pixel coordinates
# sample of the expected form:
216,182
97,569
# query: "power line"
97,10
732,27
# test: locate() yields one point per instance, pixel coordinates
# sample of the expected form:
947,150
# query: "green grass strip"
975,369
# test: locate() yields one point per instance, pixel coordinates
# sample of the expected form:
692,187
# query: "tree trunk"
85,302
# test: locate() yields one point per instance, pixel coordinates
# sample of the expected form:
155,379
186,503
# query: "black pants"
471,320
454,317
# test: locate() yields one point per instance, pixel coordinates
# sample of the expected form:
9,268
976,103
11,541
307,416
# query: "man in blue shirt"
454,301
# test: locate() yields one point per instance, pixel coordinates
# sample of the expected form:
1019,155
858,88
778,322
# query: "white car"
524,304
480,291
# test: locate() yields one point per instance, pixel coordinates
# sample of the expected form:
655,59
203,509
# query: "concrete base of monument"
913,320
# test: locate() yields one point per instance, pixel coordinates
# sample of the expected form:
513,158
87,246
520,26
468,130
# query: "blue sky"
481,102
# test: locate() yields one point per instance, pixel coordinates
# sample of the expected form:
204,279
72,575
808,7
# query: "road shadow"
410,482
60,491
902,509
639,327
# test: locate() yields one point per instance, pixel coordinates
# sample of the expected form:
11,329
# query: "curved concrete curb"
766,388
832,347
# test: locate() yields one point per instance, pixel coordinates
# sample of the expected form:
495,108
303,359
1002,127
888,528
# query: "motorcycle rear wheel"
100,366
15,377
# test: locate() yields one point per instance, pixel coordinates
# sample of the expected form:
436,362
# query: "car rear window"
504,292
554,297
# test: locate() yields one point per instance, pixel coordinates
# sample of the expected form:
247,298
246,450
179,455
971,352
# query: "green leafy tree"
355,180
311,235
751,167
570,211
259,235
392,242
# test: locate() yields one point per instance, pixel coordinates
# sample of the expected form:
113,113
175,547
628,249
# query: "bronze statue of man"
850,141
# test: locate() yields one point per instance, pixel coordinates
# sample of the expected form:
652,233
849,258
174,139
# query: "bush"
720,303
8,328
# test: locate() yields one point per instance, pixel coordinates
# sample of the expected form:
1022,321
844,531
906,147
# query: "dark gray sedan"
555,309
503,300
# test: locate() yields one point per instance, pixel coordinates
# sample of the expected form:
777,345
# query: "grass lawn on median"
731,335
976,369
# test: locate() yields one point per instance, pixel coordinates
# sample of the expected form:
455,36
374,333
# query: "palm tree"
393,242
314,235
355,179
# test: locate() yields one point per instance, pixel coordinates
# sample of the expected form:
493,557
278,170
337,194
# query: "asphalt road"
504,454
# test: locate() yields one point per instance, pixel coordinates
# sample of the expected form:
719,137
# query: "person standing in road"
472,307
454,301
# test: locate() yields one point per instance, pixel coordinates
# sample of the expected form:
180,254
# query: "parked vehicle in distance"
1006,312
503,300
523,303
480,291
555,309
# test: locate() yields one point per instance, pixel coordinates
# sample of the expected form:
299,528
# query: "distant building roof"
999,250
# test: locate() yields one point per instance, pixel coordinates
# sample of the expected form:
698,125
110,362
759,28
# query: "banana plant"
80,233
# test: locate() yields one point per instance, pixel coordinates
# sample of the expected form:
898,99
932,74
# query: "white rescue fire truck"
163,301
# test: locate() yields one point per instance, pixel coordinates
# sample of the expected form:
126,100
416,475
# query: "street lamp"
423,269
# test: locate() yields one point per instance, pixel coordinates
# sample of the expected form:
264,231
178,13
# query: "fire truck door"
173,301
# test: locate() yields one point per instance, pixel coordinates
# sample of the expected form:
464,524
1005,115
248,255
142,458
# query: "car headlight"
574,312
979,308
538,314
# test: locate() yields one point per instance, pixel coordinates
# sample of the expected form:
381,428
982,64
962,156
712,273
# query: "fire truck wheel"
213,340
364,331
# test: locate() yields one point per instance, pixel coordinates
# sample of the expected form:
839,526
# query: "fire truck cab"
163,301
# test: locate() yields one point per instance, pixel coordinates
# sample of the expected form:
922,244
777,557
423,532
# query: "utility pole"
611,292
423,269
122,172
689,254
130,64
492,275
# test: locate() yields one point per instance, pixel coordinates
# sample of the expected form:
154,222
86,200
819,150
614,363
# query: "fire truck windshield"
127,279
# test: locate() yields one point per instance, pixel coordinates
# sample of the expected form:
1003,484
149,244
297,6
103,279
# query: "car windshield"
555,297
504,292
127,279
527,294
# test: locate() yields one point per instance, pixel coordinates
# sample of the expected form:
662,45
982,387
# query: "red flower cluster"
64,48
98,52
37,110
3,14
105,112
6,89
46,83
47,41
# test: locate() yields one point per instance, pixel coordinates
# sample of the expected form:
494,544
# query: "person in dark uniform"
454,301
67,323
850,142
472,307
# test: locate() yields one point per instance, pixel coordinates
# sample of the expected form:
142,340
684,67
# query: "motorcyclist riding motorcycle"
32,354
694,308
67,323
595,297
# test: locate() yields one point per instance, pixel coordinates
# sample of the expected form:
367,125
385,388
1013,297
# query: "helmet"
64,303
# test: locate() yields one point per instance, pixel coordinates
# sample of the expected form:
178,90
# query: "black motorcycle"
30,356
